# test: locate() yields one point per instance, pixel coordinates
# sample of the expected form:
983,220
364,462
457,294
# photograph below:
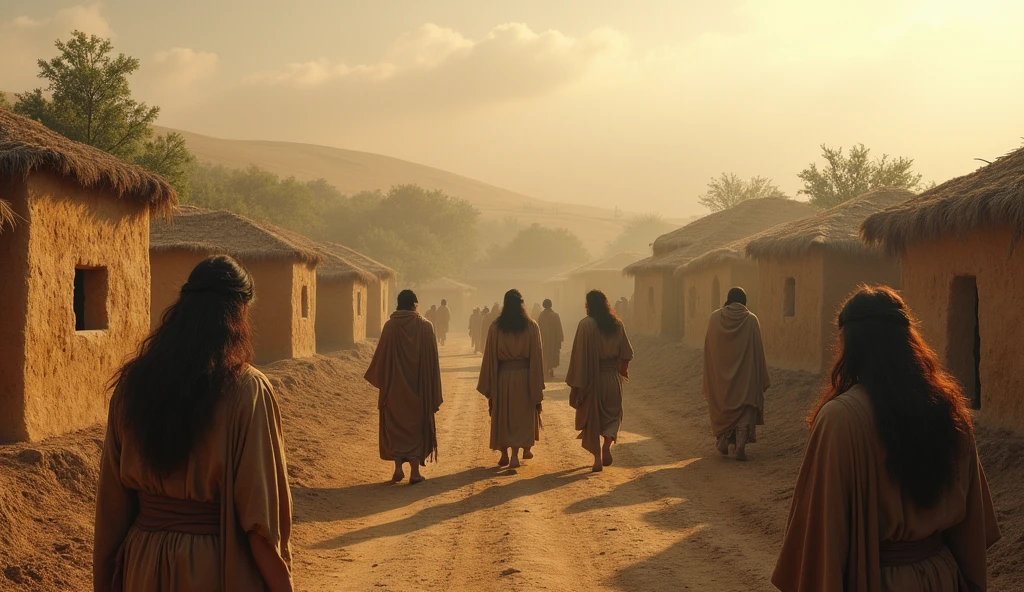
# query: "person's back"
193,490
551,337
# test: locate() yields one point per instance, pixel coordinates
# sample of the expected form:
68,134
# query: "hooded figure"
735,374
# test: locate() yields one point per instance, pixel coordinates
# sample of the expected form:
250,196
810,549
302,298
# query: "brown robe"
442,322
512,379
551,338
406,369
596,385
240,463
735,372
474,328
845,504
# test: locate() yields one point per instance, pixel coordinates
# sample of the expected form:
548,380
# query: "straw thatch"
225,233
733,252
445,284
836,229
332,267
681,246
27,146
379,270
6,215
992,195
614,262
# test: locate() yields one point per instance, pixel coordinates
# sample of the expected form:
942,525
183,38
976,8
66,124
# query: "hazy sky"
635,104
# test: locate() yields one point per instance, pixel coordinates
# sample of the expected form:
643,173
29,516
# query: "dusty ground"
671,514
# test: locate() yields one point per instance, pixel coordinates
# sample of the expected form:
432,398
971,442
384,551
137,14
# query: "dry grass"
7,217
379,270
332,266
680,246
201,231
835,229
992,195
27,146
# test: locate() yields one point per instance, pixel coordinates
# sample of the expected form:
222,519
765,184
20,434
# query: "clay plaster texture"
701,283
342,313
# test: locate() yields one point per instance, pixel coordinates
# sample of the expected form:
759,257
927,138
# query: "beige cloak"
735,371
240,464
595,382
474,324
512,378
551,337
406,369
845,505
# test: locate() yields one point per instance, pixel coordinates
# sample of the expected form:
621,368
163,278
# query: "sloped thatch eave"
991,196
372,266
7,217
27,146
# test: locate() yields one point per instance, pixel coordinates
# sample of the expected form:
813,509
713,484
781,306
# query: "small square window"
305,302
789,298
90,298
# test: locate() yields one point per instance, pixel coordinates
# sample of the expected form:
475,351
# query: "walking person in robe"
551,337
512,379
406,369
193,488
432,316
535,313
735,374
443,319
474,323
481,329
891,495
600,358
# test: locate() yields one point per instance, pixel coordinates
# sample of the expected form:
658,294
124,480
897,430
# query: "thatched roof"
7,217
612,263
835,229
733,252
445,284
992,195
225,233
681,246
332,267
27,146
379,270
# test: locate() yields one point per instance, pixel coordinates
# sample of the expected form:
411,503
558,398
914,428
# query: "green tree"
728,190
639,233
847,176
4,103
538,244
258,194
90,101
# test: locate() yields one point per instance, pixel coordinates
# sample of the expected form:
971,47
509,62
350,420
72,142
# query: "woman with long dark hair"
891,495
193,491
512,379
600,358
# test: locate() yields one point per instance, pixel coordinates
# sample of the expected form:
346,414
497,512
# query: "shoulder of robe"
252,386
848,413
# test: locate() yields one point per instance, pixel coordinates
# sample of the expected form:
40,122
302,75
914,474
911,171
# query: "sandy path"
654,521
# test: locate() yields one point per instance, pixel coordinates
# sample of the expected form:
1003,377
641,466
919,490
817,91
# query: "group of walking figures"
193,490
518,352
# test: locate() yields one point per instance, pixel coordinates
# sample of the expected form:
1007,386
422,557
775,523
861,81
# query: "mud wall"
304,295
14,270
928,273
648,298
170,270
701,283
376,307
673,302
335,315
792,342
66,372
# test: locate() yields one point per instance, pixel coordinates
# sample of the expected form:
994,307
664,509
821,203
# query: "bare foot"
597,467
503,461
416,479
606,453
514,463
399,473
527,454
741,455
723,446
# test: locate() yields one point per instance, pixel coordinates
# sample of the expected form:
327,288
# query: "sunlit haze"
634,105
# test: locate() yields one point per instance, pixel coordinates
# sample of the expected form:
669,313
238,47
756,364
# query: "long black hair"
599,309
513,317
168,393
920,411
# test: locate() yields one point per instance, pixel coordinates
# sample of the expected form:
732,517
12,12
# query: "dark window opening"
305,302
359,304
964,337
90,298
716,293
789,298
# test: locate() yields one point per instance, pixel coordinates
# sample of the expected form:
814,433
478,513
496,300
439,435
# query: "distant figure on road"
600,358
442,321
193,488
891,495
406,369
474,324
512,379
551,337
536,311
735,374
481,329
432,316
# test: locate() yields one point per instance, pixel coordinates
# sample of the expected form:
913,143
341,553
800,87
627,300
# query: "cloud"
174,78
24,40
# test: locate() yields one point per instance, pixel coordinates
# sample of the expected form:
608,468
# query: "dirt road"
664,517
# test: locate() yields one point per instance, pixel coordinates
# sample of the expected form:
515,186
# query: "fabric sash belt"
609,364
519,364
159,513
900,553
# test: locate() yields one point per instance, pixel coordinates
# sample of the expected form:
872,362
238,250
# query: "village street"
665,517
